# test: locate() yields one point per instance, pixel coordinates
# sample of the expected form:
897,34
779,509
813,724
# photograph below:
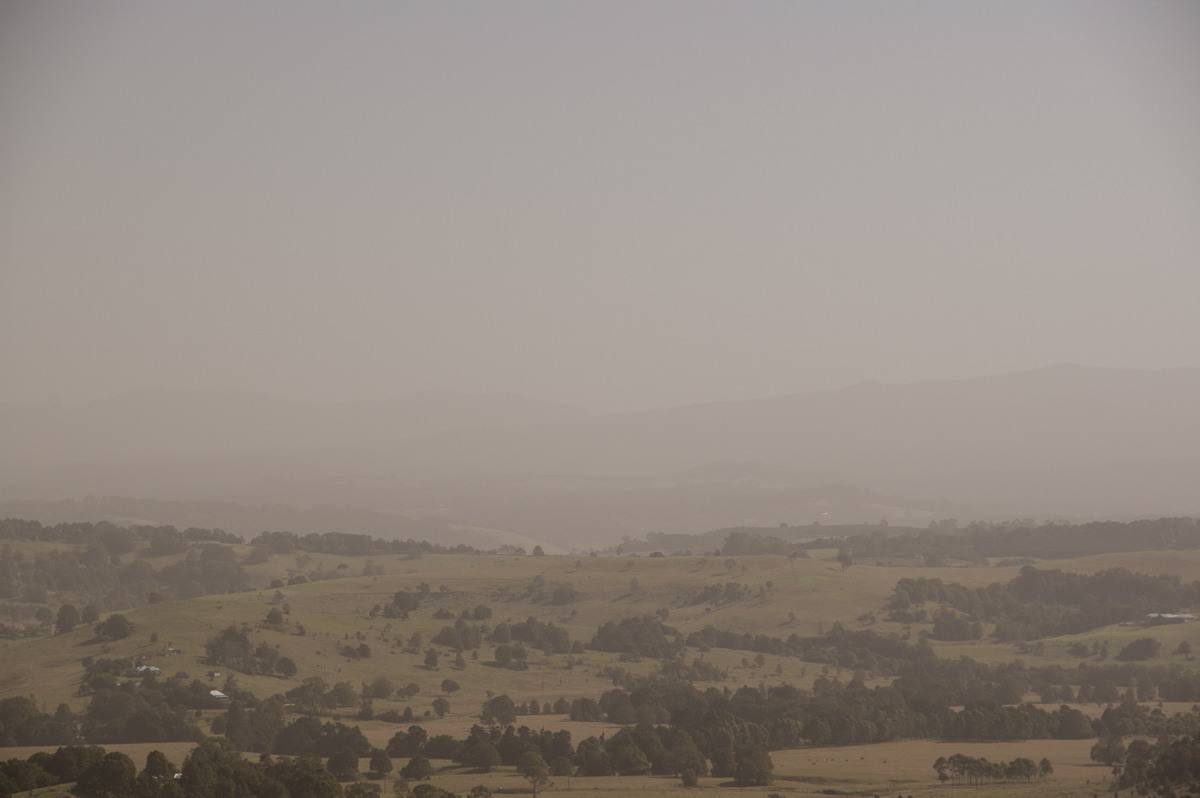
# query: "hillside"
777,596
1112,443
146,426
812,651
570,513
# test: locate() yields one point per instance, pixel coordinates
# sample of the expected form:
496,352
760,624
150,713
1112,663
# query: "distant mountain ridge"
1064,440
1051,418
169,424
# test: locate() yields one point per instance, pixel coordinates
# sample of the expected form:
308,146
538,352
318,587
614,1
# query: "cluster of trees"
233,648
856,650
719,594
23,723
135,710
963,769
90,567
1061,540
833,713
146,712
1041,603
979,540
118,539
404,601
920,703
1168,767
542,635
741,542
1141,649
732,748
257,725
509,638
644,636
1127,717
462,636
352,545
95,772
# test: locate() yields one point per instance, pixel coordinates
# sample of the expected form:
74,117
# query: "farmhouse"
1167,617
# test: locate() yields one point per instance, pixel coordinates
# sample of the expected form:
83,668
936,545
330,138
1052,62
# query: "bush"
115,627
1140,649
418,768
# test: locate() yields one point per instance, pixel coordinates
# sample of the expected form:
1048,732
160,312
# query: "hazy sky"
616,204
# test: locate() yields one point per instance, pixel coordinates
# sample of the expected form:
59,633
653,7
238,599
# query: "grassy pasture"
784,596
803,596
907,767
865,770
1184,564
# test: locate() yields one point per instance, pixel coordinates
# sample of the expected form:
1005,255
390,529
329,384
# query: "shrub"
1140,649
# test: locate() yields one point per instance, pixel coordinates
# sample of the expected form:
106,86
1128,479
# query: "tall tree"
534,769
114,776
67,619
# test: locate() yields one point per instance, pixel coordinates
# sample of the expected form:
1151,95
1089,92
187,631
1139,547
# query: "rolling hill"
1065,441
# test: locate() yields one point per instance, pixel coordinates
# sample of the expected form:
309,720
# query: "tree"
538,552
418,768
752,766
449,686
114,776
343,694
381,763
363,789
115,627
285,667
441,706
157,786
479,752
593,759
1141,649
1108,750
629,760
67,619
158,766
426,790
299,778
499,710
344,765
380,687
686,757
534,769
431,659
844,559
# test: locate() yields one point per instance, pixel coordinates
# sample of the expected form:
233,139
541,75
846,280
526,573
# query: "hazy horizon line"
57,401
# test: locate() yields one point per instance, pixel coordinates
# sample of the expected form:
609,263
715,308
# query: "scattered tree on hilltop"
114,627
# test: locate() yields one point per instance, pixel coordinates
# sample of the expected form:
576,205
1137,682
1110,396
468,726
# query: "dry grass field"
783,596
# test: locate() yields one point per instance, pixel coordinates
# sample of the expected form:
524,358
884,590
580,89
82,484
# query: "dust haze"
561,268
